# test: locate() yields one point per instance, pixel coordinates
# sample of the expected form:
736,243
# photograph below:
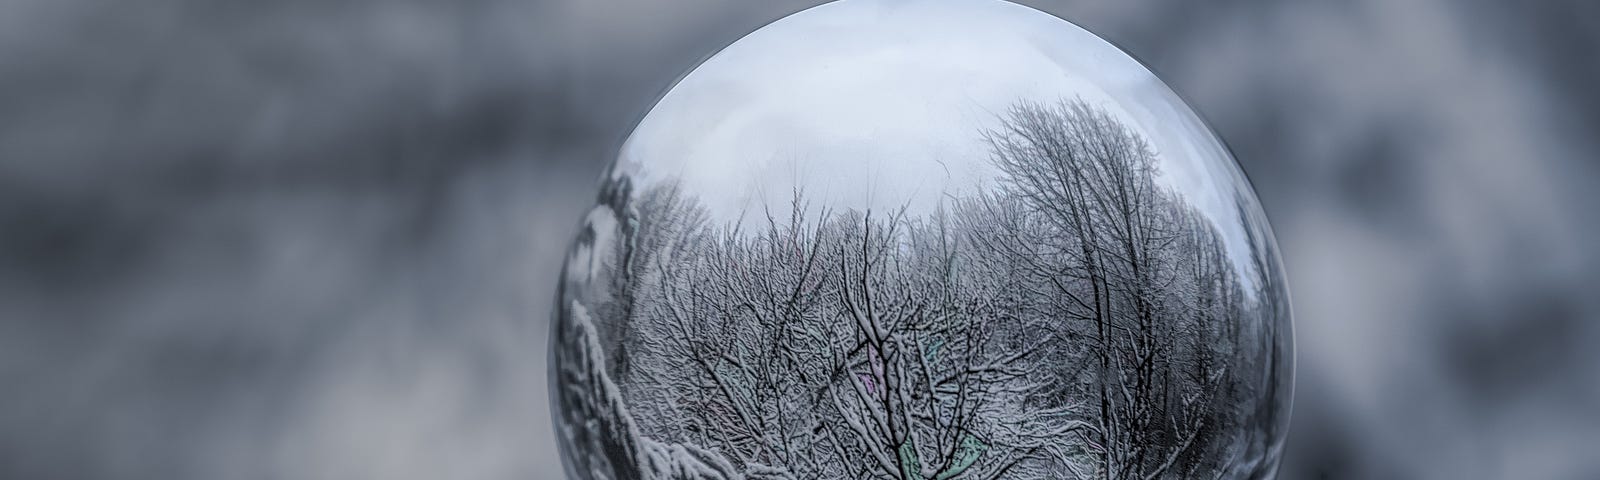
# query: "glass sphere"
940,239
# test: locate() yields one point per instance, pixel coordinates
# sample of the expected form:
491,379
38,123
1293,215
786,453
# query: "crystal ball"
938,239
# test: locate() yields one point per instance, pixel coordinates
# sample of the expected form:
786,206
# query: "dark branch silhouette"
1078,321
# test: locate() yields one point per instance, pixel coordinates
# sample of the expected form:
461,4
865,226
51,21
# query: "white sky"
878,103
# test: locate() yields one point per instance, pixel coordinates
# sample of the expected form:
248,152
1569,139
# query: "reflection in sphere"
945,239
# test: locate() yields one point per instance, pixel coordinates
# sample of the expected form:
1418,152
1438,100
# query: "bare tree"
1080,321
1092,179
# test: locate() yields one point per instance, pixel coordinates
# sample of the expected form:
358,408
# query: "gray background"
318,239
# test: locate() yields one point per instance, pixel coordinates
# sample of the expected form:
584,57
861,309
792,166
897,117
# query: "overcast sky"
878,104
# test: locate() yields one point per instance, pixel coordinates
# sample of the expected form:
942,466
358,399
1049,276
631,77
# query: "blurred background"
318,239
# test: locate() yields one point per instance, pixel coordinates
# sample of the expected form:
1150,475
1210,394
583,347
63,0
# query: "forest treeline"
1078,320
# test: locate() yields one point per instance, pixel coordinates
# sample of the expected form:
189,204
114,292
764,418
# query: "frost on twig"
601,440
1078,320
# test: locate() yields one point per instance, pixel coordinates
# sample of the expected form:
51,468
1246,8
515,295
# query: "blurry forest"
1078,321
